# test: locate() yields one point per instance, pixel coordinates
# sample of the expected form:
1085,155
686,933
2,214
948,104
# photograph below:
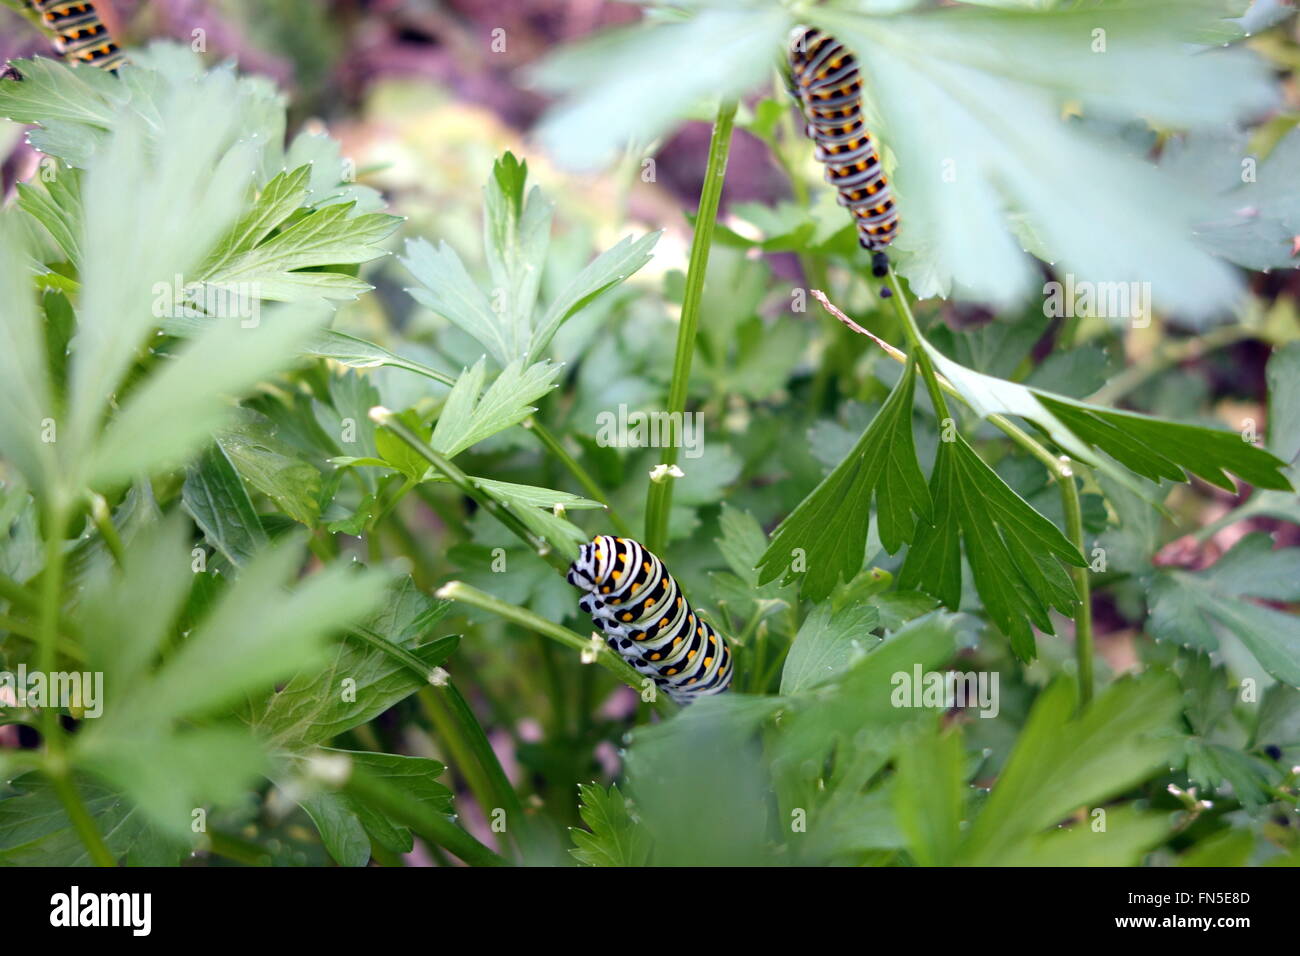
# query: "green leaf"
26,400
929,794
827,643
1015,554
1228,848
135,607
413,775
700,782
1063,761
861,697
52,91
1210,765
1252,223
218,501
990,85
276,202
1149,446
358,353
1185,607
1279,722
1158,449
604,272
255,635
616,839
332,177
176,409
1127,835
472,414
356,682
536,508
742,543
341,832
517,234
35,830
396,453
58,208
516,240
447,289
667,68
272,467
152,214
330,236
830,525
167,774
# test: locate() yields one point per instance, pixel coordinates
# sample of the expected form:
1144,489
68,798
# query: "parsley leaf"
830,525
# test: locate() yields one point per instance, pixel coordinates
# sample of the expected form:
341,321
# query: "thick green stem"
659,497
603,655
427,822
575,468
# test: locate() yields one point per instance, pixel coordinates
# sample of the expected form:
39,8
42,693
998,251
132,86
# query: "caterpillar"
825,80
81,36
633,599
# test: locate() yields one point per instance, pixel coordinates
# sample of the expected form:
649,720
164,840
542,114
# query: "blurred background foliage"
422,106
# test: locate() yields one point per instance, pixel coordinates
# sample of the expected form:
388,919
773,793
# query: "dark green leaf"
216,498
830,526
1015,554
616,839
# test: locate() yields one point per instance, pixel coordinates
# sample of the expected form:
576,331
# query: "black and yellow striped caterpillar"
80,34
646,618
825,80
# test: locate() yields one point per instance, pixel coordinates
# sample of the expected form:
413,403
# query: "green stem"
1082,587
575,468
473,734
605,657
427,822
395,651
56,764
659,497
103,519
459,730
917,341
467,487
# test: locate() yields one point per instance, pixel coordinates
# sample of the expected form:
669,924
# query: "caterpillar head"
584,572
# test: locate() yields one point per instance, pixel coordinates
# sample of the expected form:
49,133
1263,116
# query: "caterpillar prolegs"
638,605
825,80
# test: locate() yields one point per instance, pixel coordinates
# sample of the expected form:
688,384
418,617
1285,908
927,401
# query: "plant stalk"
56,764
659,496
427,822
467,487
604,656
